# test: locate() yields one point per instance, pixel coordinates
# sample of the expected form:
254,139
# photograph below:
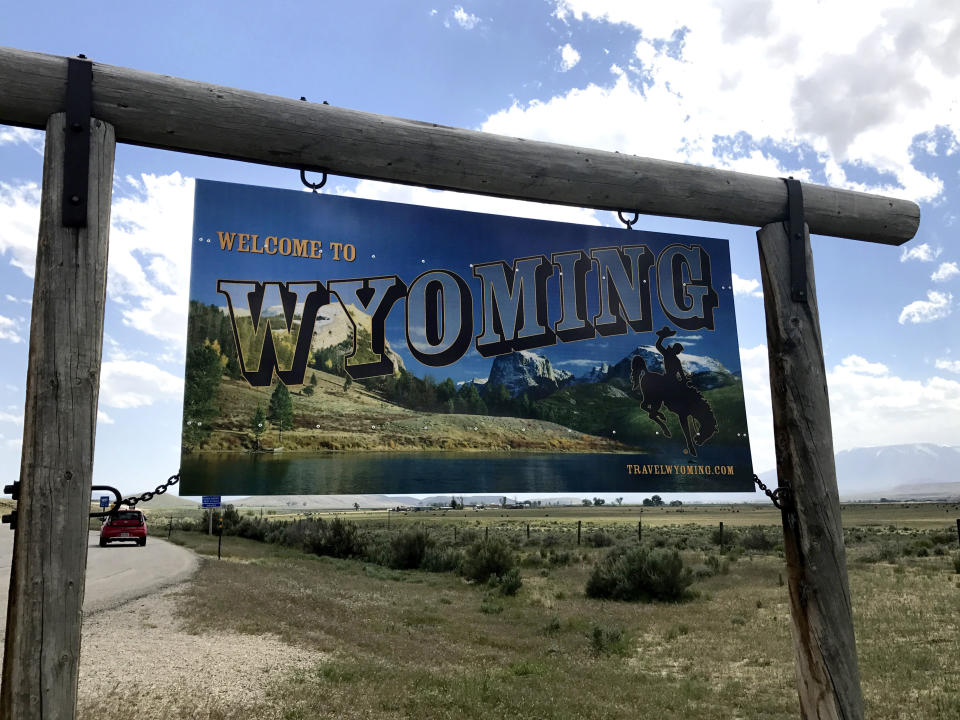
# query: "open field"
410,643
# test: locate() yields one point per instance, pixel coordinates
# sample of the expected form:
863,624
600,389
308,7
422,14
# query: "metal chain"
777,497
147,496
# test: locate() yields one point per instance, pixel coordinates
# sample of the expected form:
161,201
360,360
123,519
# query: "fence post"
639,531
958,530
47,575
721,537
170,528
528,531
579,523
486,532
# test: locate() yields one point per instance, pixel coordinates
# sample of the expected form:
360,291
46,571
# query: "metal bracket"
76,151
11,518
116,504
13,490
795,229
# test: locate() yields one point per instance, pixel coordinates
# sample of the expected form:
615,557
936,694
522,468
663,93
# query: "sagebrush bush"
442,559
640,574
338,538
607,641
486,558
408,549
510,582
756,538
599,538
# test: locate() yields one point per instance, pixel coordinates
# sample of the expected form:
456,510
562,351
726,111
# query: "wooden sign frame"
41,662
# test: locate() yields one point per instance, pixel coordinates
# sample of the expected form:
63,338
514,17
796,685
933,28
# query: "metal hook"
313,186
628,223
303,173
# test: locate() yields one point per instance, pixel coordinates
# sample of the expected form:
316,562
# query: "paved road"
116,573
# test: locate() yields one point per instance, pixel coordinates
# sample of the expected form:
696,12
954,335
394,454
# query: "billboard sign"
340,345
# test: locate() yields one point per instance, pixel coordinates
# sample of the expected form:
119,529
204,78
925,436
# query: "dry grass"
416,644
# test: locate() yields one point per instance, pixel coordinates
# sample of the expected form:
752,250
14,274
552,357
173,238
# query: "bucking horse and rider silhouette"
674,389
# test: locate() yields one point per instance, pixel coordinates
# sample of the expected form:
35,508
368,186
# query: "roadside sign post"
41,660
104,501
209,502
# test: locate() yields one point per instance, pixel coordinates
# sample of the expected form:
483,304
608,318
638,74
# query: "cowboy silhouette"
674,390
671,360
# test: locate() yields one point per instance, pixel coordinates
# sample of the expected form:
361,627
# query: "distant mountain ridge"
918,470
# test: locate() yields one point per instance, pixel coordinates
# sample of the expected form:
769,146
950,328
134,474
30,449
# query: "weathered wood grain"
828,678
176,114
42,646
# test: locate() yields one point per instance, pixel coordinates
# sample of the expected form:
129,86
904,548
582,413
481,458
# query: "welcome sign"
339,345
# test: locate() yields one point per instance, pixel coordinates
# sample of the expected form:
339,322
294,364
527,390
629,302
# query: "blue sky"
866,101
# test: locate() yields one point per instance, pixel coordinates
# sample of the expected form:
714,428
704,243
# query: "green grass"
416,644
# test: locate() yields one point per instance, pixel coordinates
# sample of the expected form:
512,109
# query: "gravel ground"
135,661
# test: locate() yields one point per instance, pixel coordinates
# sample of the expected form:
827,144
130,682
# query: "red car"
125,525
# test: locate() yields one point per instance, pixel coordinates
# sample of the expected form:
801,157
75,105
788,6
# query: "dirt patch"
136,659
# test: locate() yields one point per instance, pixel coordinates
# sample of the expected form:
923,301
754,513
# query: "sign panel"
210,501
340,345
104,501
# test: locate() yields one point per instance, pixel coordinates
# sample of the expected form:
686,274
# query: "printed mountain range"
526,372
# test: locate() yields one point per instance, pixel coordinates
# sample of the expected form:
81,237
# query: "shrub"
252,529
443,559
409,549
339,538
599,539
510,582
607,641
640,574
729,536
487,558
756,539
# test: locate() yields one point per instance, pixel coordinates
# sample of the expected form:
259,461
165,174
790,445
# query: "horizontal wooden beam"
175,114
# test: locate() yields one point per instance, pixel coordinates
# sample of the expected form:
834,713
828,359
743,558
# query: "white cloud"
102,417
746,286
922,252
946,271
856,87
19,224
8,417
868,406
948,365
133,383
148,276
569,57
9,330
152,221
22,136
937,305
464,19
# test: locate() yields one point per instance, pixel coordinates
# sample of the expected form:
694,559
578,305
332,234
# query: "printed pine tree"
258,423
280,412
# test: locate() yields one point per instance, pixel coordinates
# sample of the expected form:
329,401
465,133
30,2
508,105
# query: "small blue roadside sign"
210,501
104,501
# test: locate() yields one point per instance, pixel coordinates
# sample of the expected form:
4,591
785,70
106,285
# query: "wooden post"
828,679
721,537
639,531
579,523
528,531
42,647
958,530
